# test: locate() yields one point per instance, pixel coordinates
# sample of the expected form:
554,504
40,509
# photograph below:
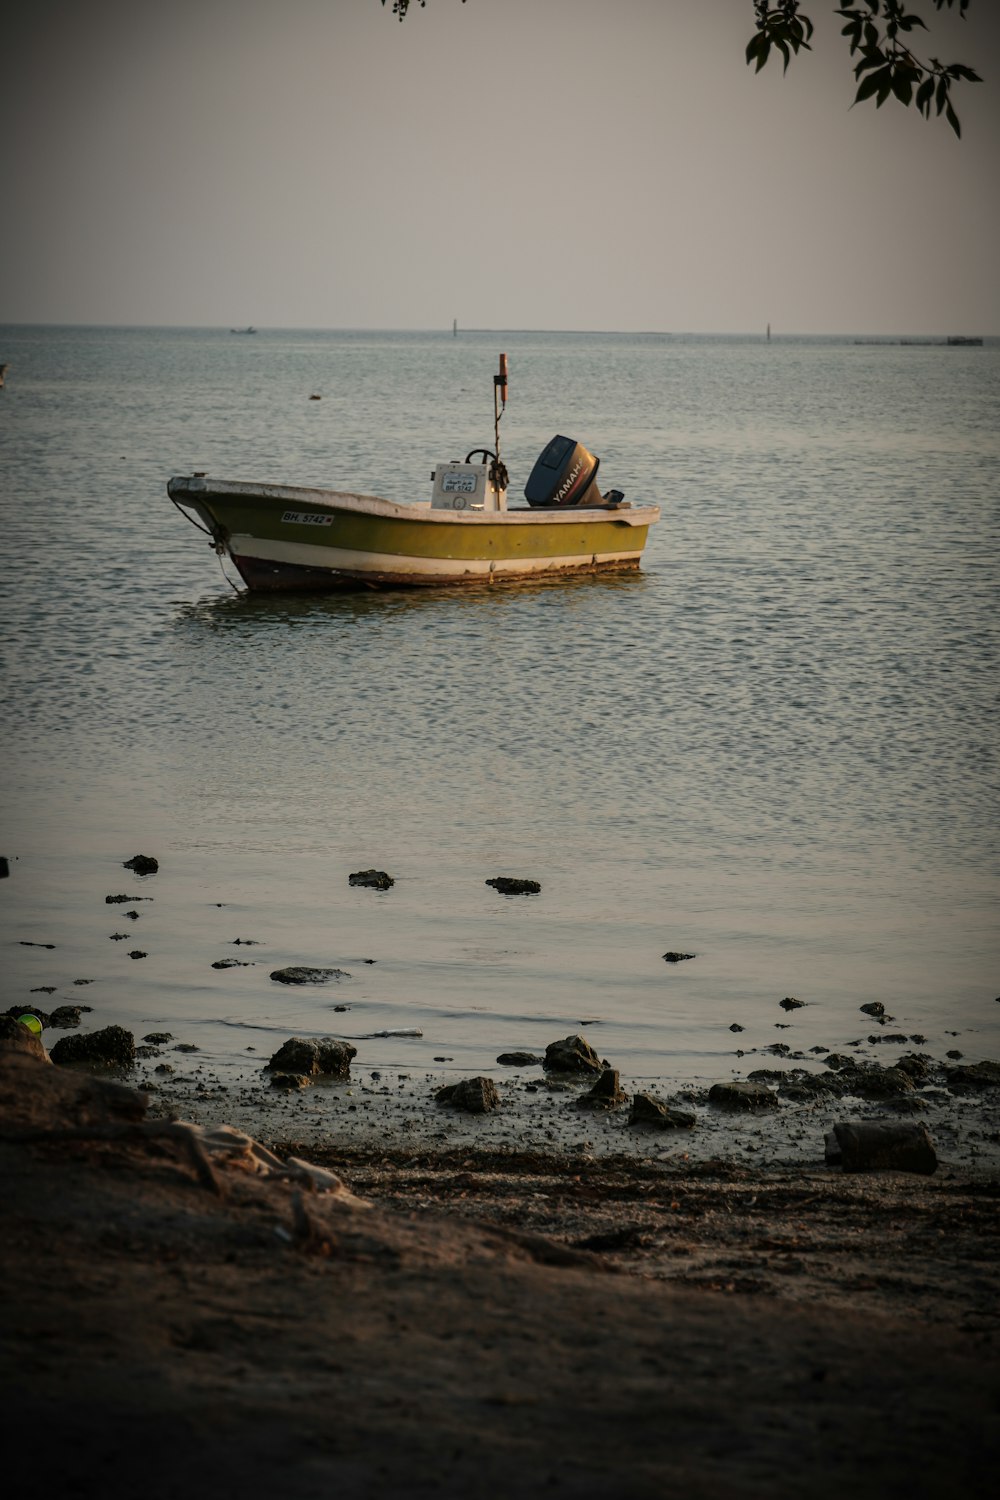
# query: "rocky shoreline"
187,1309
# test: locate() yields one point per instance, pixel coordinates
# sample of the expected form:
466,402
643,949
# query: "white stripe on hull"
343,559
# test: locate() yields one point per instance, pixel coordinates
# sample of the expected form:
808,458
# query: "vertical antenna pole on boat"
498,474
499,402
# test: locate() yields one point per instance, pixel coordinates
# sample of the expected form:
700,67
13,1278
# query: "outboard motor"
565,474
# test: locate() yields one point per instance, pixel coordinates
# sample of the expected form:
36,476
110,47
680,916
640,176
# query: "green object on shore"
33,1024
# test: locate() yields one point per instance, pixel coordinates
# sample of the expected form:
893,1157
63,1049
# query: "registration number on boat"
305,518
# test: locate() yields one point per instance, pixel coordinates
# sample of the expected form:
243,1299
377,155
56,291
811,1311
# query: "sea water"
774,748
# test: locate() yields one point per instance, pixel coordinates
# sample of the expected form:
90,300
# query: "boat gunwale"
203,490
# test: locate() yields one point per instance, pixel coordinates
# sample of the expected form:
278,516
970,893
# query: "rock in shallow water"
510,885
142,864
378,880
476,1095
112,1047
742,1095
300,974
649,1111
572,1055
312,1058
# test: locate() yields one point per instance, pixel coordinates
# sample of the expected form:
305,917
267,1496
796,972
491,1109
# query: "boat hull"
283,537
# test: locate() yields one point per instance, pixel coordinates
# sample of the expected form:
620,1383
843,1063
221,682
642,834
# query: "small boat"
242,330
282,537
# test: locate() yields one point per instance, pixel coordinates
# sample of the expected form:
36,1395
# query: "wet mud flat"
460,1321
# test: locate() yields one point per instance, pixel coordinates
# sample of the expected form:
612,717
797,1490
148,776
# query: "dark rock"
875,1008
114,900
158,1038
607,1092
678,958
915,1065
881,1145
838,1060
289,1081
742,1096
790,1003
476,1095
313,1057
736,1027
572,1055
778,1049
137,953
509,885
518,1059
768,1075
112,1047
142,864
972,1078
954,1054
163,1068
377,879
146,1051
68,1016
185,1047
649,1111
299,974
232,963
4,867
889,1036
802,1088
873,1082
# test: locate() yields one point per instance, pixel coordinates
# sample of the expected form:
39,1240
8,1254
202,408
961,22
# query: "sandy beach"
409,1315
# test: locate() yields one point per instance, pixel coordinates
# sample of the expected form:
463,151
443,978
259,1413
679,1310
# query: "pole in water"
454,328
768,333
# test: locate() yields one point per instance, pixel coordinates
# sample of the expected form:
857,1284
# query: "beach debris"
26,943
31,1022
519,1060
677,958
475,1095
511,885
742,1095
112,1047
313,1057
646,1110
573,1054
880,1146
301,974
790,1003
62,1018
378,880
142,864
607,1092
17,1038
116,900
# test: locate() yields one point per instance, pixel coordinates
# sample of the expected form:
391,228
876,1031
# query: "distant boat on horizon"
242,330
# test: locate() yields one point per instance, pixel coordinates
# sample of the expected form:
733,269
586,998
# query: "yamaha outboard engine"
564,474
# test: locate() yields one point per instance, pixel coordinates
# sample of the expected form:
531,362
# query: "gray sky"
591,164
